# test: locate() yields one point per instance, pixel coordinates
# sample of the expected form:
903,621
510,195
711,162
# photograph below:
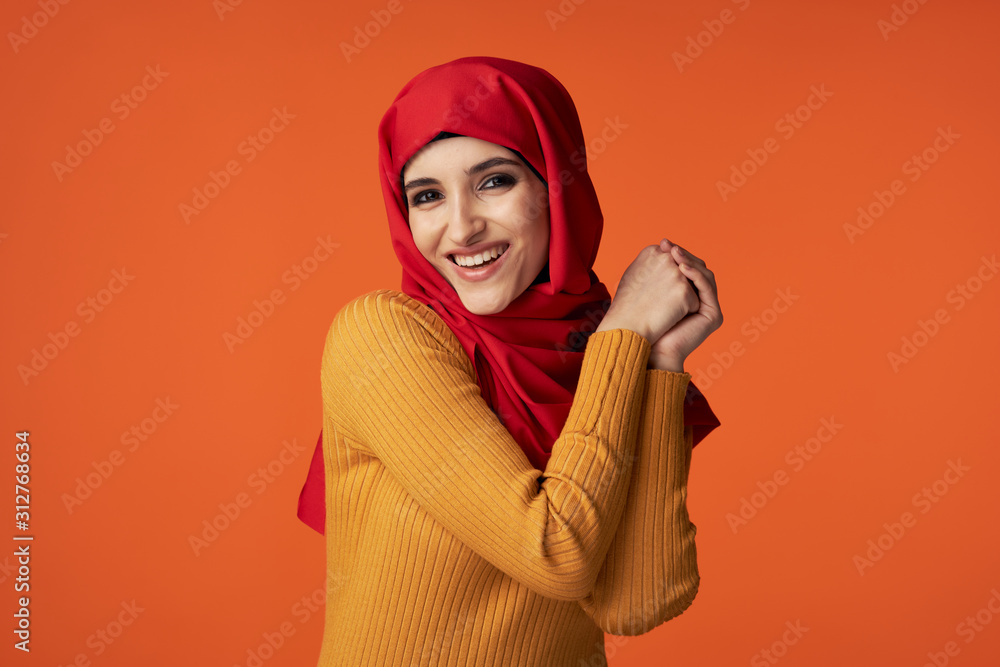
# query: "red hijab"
528,356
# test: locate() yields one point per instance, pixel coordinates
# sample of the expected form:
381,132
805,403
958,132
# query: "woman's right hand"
653,295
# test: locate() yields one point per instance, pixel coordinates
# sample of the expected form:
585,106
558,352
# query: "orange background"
682,130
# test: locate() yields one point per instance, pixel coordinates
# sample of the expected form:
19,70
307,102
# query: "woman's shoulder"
390,302
385,298
391,315
386,327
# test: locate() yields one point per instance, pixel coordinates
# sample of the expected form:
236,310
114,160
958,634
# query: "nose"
466,219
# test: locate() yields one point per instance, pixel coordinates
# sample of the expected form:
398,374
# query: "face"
470,197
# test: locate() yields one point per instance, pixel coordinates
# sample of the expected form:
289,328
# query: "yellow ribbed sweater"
446,547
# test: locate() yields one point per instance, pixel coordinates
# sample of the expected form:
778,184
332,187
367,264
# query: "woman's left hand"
674,346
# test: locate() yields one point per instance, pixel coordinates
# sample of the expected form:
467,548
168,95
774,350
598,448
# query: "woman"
500,487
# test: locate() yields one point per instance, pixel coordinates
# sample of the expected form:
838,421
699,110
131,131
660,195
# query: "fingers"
667,246
704,282
686,261
680,254
684,255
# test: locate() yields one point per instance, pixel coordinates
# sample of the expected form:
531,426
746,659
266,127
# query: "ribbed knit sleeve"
650,574
394,388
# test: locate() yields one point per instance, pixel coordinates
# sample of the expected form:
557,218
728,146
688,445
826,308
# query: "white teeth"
475,260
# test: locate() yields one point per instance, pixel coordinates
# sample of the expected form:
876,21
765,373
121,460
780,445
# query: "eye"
502,181
419,198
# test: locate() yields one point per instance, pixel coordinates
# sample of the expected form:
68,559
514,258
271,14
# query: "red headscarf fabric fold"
528,356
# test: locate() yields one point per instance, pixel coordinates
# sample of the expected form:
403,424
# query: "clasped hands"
670,297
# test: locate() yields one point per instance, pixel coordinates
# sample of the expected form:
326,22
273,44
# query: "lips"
503,248
481,272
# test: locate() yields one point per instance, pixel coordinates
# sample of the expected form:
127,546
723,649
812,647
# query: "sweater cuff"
666,392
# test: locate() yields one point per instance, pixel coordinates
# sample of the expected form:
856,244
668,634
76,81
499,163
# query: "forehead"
456,152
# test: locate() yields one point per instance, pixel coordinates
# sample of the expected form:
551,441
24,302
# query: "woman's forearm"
650,574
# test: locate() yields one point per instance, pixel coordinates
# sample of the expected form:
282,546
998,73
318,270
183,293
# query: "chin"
484,306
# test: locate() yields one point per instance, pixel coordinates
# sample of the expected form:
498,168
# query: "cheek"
538,228
421,230
535,239
531,213
423,243
535,208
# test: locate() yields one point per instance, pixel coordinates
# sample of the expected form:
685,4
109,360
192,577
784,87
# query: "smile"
484,269
482,258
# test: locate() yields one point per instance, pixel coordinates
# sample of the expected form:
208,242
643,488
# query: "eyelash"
505,180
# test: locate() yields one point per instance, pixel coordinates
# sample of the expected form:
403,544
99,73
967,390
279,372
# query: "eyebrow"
475,169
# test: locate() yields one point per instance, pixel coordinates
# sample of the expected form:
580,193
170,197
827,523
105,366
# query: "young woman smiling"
492,490
478,198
